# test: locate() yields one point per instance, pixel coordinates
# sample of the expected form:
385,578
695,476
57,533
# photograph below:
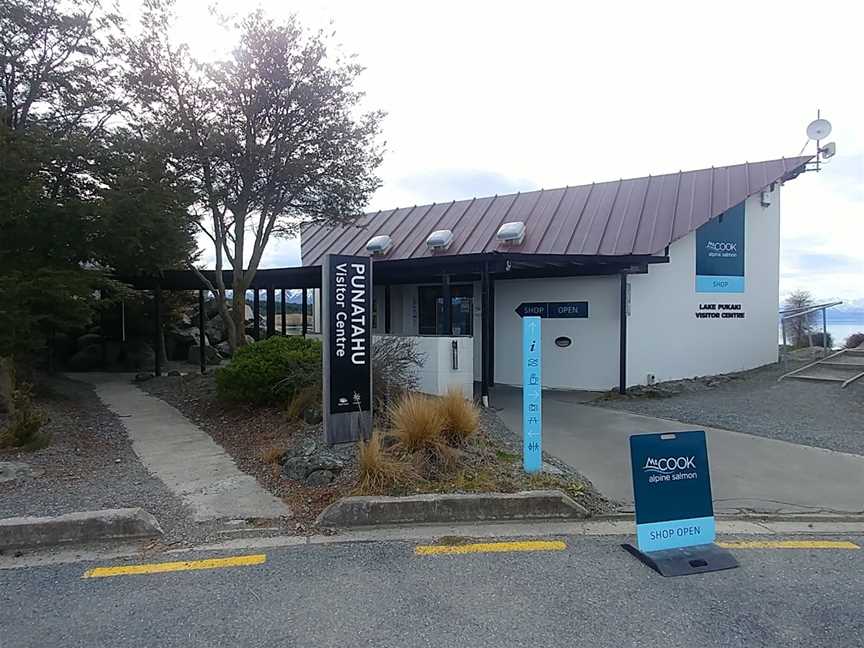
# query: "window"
431,307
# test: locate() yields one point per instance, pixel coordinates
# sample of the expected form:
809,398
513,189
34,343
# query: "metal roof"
637,216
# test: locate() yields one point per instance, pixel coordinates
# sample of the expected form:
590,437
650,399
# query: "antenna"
819,129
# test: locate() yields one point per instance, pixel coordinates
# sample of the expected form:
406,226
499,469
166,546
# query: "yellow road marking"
490,547
185,565
789,544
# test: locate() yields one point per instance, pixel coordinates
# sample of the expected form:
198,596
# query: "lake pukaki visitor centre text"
644,279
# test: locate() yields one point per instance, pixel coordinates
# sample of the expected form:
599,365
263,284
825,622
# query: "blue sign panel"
553,310
720,253
671,490
532,415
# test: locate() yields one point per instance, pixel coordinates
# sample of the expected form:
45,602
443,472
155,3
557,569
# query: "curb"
88,526
366,511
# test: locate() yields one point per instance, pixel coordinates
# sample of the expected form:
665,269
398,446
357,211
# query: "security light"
439,239
512,233
379,245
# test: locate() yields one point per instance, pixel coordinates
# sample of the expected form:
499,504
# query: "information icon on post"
532,421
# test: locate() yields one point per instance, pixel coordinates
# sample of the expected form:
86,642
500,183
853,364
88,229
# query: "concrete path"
747,472
182,455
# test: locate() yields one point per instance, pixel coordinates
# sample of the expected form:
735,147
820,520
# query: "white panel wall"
591,362
437,374
664,336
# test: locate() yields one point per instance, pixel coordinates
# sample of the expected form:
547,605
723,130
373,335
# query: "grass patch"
461,418
381,468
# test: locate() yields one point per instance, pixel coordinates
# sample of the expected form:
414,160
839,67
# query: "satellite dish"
819,129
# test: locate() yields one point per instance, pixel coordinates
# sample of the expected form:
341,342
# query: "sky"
494,97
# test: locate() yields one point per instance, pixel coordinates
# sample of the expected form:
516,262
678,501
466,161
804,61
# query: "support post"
485,335
271,311
825,331
491,330
387,308
256,314
157,329
622,338
445,313
202,337
304,307
284,329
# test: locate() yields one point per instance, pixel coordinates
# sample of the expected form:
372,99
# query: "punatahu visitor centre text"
644,279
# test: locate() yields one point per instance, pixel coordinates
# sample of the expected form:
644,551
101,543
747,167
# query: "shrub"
461,416
395,361
271,370
855,340
380,469
23,430
417,426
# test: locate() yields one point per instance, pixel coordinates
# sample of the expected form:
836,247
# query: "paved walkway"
182,455
747,472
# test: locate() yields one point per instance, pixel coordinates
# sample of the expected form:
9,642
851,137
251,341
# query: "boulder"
139,356
178,340
309,457
211,355
224,349
320,478
215,329
87,340
87,359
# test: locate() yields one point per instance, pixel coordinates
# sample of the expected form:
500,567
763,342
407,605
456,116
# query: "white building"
627,250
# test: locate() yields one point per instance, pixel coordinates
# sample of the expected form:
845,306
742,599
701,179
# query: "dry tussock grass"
417,426
460,416
381,469
272,455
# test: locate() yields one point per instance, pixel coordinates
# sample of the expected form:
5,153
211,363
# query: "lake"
838,329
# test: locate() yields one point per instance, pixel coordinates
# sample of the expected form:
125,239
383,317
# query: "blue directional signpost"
532,414
674,513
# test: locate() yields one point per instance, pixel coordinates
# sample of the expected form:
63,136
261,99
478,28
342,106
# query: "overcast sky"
487,98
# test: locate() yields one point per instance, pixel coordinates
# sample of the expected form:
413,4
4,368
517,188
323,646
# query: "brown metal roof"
638,216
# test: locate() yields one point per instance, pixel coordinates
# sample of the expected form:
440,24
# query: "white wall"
666,339
590,362
437,374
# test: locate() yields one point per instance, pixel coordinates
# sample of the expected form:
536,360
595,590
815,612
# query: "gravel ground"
806,412
88,465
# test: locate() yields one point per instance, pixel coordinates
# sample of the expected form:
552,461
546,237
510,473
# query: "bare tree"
273,136
800,328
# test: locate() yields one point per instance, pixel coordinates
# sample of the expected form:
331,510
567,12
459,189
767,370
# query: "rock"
88,339
211,355
140,355
174,373
320,478
11,470
87,359
215,329
312,415
307,458
143,376
187,336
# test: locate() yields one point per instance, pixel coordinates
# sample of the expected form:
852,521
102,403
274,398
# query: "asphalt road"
382,594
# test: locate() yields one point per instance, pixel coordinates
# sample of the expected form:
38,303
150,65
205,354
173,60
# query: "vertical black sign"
347,282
